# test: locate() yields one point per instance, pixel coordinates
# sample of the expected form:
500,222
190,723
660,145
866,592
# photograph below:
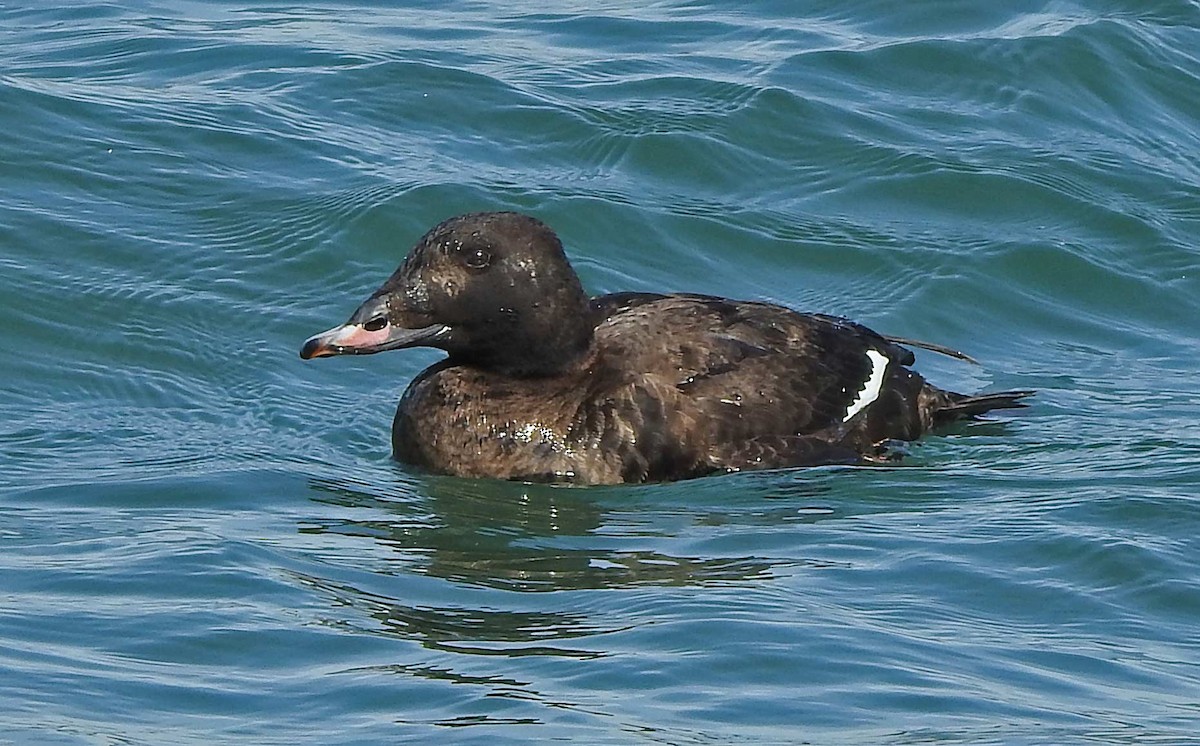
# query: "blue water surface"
204,539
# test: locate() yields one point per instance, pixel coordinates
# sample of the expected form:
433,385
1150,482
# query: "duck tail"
940,349
962,406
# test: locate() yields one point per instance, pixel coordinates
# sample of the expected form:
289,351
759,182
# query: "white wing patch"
870,389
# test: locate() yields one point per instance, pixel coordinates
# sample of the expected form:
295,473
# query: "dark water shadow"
460,628
543,538
515,565
488,585
490,539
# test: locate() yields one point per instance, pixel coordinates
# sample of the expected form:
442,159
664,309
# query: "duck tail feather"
962,406
940,349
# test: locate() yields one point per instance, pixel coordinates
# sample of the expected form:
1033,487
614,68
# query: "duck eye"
478,258
375,324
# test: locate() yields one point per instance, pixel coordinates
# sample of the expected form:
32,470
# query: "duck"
543,383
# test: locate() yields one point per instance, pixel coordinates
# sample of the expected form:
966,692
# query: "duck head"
494,290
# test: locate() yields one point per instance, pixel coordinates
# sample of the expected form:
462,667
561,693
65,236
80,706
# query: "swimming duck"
543,383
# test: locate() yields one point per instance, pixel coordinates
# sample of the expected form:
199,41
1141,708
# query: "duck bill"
370,330
356,339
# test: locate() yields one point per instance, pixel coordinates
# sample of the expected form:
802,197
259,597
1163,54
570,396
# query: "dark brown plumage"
542,383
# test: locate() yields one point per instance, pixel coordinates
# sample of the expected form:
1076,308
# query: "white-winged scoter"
543,383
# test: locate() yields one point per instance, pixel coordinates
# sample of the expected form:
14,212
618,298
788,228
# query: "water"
204,539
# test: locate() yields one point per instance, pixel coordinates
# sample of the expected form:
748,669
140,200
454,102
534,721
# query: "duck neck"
544,348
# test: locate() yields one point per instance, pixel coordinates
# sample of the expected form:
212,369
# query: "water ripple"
208,538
